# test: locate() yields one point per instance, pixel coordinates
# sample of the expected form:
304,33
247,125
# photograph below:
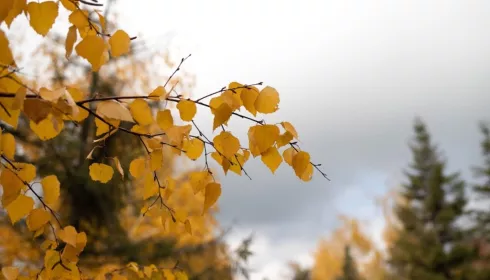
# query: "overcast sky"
352,76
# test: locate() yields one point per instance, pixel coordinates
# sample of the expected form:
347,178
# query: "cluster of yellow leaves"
47,110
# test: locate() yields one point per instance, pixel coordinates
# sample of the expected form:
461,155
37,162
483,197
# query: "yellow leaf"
101,20
8,145
288,155
187,110
226,144
19,208
137,167
267,101
211,195
284,139
51,189
103,127
71,38
119,167
18,8
120,43
301,160
156,160
114,110
150,187
177,133
92,48
48,128
141,112
101,172
222,115
37,109
180,275
232,98
20,96
5,7
42,16
10,272
165,119
79,18
37,219
68,4
290,128
193,148
272,158
12,186
199,180
249,96
307,174
158,93
262,137
187,226
51,95
6,57
69,235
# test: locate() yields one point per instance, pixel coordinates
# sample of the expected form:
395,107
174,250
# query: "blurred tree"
349,267
481,230
299,272
429,244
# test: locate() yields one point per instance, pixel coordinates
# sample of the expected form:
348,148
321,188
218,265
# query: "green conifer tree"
430,243
349,267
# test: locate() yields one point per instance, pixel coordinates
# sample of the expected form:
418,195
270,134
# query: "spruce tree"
430,244
349,267
482,215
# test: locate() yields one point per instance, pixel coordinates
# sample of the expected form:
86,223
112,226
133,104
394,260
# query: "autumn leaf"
51,189
290,128
284,139
120,43
222,115
158,93
8,145
69,5
211,195
226,144
187,110
262,137
272,159
69,235
249,96
301,160
114,110
10,272
288,155
141,112
37,219
137,167
6,57
5,8
267,101
17,9
165,119
156,160
19,208
193,148
37,109
92,48
101,172
119,167
42,16
51,95
71,38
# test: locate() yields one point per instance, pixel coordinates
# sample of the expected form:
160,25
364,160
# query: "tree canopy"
92,185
